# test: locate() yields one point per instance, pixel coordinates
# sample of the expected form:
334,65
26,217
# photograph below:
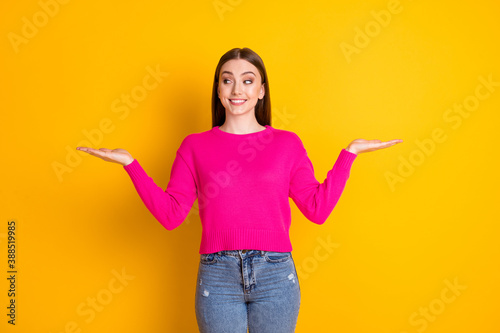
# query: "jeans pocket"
275,257
208,258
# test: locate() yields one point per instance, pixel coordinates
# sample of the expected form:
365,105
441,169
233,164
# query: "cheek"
255,92
222,92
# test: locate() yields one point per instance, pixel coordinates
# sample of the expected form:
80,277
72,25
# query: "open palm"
359,146
120,156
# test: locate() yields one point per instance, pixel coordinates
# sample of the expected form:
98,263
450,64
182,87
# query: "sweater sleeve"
316,201
169,207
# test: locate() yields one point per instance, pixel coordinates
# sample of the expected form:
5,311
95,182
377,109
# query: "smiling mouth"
237,101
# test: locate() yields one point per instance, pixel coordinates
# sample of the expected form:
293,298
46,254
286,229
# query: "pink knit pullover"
242,182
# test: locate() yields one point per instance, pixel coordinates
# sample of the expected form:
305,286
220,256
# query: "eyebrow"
241,73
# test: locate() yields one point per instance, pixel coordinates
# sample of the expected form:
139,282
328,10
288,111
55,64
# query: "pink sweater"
242,182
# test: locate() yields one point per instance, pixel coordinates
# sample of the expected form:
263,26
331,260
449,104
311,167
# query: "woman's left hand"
359,146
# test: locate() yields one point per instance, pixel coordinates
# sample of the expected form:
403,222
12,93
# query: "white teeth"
237,100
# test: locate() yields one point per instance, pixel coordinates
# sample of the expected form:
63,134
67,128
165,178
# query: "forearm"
168,210
317,200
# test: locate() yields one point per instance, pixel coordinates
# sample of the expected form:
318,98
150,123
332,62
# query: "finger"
373,141
385,145
87,149
105,149
389,143
96,152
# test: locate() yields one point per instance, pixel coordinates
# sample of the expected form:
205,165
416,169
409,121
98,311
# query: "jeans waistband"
236,253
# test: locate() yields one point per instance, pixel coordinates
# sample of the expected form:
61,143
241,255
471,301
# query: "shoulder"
194,140
196,137
288,144
288,137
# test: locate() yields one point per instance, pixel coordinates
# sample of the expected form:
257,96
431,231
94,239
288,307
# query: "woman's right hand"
120,156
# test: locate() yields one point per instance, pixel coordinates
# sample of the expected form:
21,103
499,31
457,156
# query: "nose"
236,88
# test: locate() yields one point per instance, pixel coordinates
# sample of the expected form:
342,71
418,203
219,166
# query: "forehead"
238,66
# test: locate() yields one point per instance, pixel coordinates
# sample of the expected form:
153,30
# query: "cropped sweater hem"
241,239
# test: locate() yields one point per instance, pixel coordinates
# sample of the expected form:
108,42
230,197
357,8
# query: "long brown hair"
263,106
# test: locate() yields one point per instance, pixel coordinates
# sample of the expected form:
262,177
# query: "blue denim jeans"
247,289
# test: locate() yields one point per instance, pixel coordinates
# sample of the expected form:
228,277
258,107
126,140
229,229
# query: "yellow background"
396,246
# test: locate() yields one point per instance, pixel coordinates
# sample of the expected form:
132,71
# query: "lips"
237,101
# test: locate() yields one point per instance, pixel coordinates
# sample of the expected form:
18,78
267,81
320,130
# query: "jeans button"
244,251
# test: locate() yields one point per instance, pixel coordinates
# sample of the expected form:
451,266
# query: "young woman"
242,171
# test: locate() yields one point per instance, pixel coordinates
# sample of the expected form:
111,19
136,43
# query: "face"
240,86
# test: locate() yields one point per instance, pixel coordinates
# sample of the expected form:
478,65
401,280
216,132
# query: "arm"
169,207
316,201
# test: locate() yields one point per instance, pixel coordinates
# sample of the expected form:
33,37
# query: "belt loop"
219,253
262,252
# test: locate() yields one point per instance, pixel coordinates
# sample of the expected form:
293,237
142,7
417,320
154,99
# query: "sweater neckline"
220,132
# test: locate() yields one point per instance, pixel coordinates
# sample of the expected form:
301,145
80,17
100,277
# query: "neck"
240,127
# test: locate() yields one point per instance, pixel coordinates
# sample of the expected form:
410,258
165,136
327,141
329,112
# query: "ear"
262,91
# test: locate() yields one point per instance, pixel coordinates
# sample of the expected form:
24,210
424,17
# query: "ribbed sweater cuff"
345,159
135,170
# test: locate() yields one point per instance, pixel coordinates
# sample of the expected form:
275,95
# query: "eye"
224,80
249,81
